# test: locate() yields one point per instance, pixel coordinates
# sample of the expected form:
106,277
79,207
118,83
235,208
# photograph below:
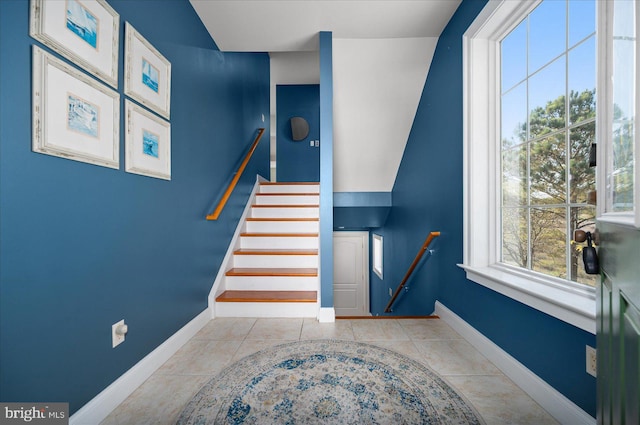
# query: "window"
377,255
529,124
618,174
548,112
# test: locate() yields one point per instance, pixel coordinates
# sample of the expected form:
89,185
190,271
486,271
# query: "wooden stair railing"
416,260
236,177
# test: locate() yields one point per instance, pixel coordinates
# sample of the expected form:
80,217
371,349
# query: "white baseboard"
101,405
554,402
326,315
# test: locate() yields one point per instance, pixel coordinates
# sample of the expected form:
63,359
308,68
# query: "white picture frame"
84,31
147,143
74,116
147,74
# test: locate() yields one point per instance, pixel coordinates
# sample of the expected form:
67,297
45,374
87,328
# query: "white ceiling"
293,25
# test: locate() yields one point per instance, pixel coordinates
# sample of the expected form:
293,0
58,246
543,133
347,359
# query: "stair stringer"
219,282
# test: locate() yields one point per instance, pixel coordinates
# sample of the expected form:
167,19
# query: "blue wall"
550,348
360,210
84,246
297,161
326,169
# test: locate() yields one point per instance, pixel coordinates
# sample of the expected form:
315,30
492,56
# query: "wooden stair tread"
268,296
282,219
276,252
281,279
279,234
263,271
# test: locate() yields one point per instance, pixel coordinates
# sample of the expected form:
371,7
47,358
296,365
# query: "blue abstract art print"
82,23
149,143
149,75
82,116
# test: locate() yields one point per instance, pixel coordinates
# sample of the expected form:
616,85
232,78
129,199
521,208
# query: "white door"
350,273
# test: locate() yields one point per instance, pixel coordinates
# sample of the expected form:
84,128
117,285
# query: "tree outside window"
548,128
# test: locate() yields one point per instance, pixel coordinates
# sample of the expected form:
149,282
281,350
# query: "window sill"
572,305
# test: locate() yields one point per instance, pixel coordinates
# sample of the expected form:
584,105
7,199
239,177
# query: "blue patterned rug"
328,382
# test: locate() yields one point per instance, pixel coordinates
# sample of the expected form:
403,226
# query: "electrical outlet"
118,332
592,365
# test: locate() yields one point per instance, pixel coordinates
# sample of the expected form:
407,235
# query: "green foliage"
539,170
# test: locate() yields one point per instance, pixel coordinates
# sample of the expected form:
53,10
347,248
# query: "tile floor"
225,340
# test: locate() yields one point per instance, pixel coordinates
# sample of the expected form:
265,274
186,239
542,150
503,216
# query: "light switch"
311,143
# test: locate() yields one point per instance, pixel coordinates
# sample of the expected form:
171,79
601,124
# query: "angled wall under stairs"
273,269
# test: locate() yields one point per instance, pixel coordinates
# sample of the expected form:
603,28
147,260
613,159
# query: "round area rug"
328,382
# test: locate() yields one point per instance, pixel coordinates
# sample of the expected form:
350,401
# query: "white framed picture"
147,74
148,143
74,116
83,31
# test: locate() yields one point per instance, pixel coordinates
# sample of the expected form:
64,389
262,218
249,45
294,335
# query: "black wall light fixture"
299,128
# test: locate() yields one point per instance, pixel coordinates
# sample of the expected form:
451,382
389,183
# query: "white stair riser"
271,283
275,261
283,226
287,200
266,309
279,242
290,212
293,188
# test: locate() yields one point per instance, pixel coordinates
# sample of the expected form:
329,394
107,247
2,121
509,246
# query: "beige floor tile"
500,401
455,357
340,329
224,341
428,329
251,346
377,330
287,329
226,328
407,348
158,401
200,357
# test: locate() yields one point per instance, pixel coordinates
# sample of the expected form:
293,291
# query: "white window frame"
605,120
377,256
574,304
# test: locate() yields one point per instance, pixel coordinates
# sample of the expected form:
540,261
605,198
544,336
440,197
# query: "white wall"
377,85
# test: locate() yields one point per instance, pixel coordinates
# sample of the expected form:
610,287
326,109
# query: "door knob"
589,254
581,236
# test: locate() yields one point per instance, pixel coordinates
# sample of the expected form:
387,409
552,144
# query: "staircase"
274,268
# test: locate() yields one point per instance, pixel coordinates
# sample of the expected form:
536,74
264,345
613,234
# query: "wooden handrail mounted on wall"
416,260
227,193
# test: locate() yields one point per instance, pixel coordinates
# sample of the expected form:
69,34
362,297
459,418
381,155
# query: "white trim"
604,121
326,315
554,402
570,305
481,174
235,243
98,408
